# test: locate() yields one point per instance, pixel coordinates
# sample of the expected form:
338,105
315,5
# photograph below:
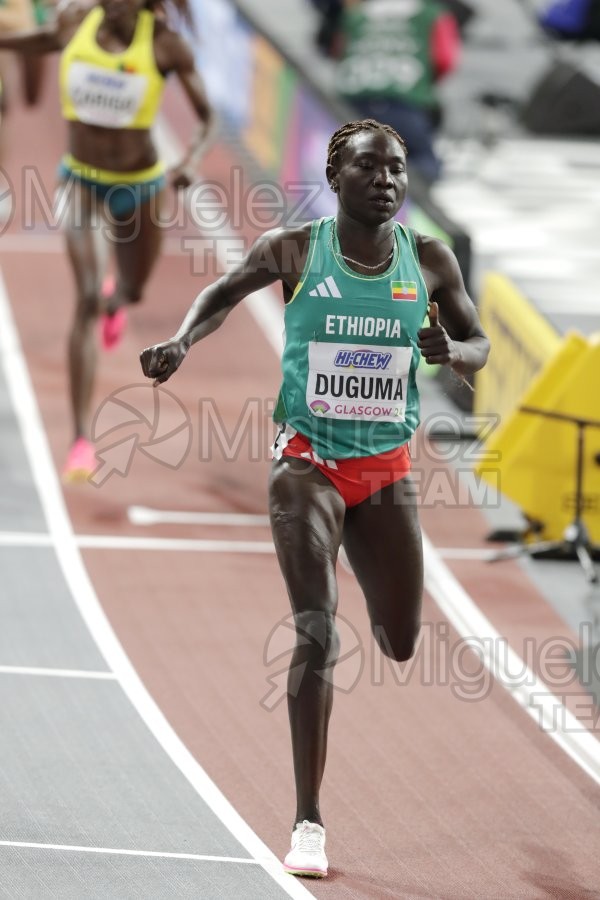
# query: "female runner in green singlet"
356,289
115,58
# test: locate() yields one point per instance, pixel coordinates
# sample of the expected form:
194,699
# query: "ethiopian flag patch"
404,290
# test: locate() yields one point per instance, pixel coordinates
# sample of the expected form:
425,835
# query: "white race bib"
350,381
376,73
102,97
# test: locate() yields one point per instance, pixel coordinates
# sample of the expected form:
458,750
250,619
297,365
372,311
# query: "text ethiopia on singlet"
362,326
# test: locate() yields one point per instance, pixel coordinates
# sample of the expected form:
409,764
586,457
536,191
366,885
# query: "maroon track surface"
426,795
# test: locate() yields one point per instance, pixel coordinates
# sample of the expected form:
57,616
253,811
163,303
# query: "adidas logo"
327,288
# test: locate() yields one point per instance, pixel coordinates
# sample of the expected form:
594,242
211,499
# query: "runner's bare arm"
266,263
173,54
457,339
35,41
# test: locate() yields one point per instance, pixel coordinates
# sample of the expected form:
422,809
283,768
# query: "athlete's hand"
162,360
182,177
435,344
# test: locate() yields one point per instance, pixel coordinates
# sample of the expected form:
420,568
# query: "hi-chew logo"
362,359
404,290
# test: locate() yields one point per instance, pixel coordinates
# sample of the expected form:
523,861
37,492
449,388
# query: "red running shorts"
356,478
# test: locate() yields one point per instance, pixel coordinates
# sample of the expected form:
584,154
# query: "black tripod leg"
586,563
522,549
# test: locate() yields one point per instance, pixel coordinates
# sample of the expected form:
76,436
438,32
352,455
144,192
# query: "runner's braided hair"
340,138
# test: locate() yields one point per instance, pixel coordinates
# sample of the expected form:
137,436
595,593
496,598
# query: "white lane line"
145,515
107,542
266,308
57,673
134,542
196,857
26,411
468,553
529,691
24,539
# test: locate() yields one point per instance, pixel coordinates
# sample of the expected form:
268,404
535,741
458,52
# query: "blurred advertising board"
225,56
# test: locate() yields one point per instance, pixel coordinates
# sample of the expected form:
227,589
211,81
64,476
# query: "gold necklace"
355,261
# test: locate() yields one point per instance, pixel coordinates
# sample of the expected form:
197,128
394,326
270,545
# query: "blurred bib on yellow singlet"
113,90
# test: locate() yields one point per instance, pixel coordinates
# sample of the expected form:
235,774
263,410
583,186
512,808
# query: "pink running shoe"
112,325
113,328
81,462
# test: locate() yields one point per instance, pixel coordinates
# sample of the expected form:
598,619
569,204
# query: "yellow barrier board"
533,459
521,342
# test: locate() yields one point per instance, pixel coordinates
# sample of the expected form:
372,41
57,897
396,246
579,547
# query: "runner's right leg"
307,518
84,239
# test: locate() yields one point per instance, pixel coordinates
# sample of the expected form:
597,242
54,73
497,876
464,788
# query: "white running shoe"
307,856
